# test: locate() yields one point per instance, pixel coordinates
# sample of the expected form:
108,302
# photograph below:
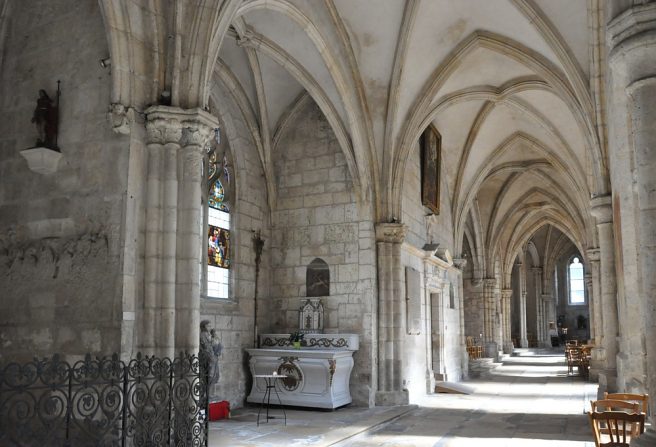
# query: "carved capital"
506,294
602,209
190,128
391,232
460,263
593,255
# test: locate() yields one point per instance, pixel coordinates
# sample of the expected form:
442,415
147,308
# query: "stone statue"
210,350
45,119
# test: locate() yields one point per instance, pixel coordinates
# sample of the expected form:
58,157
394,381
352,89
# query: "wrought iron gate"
147,401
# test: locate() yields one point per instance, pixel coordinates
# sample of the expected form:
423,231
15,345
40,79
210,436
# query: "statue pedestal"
41,160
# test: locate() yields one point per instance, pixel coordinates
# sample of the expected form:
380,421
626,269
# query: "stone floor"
528,401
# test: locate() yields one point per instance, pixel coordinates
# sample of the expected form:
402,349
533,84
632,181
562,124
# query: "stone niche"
317,279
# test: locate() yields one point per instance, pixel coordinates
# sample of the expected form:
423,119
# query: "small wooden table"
271,380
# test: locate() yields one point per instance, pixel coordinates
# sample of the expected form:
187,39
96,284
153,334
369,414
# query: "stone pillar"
549,310
171,315
549,304
460,264
596,317
540,326
490,317
588,291
643,95
632,108
603,212
389,237
523,340
506,304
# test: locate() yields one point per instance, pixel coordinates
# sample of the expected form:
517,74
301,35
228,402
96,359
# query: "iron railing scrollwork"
147,401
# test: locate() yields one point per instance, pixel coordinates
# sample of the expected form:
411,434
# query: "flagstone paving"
527,401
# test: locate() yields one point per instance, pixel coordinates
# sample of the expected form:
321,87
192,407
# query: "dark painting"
431,148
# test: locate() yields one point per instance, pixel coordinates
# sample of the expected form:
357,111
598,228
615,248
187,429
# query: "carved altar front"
318,375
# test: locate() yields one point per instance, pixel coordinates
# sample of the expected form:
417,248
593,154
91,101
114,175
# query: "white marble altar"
318,375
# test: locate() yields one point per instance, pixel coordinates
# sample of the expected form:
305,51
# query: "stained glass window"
218,241
576,283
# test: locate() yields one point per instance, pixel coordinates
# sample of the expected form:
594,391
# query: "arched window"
219,248
576,284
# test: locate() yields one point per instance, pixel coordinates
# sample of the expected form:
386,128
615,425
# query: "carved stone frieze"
48,252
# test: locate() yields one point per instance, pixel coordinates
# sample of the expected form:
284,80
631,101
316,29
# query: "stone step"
481,368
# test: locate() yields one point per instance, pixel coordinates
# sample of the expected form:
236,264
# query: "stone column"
158,317
643,95
632,107
588,291
523,340
389,237
464,363
539,316
490,317
549,310
176,138
506,304
596,317
603,212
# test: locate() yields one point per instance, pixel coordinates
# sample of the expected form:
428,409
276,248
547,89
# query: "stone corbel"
602,209
121,118
593,255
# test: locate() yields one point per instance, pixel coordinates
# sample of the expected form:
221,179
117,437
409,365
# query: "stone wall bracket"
42,160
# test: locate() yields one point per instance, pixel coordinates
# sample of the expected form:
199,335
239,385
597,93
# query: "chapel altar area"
317,375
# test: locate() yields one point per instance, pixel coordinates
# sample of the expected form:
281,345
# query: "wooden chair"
620,427
642,399
603,405
474,351
574,357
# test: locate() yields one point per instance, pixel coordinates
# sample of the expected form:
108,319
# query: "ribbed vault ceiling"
506,82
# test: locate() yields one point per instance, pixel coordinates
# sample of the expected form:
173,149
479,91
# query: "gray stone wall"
317,216
440,338
234,318
59,234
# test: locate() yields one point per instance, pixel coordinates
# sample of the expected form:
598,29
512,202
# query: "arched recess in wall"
344,105
317,278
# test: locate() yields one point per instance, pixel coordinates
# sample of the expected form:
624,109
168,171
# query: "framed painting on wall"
431,148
